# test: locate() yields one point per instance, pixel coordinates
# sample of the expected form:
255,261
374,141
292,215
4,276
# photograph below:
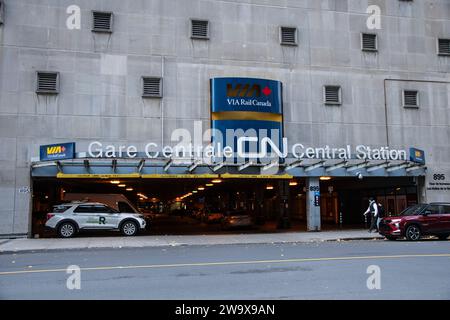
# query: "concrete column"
283,218
421,190
313,204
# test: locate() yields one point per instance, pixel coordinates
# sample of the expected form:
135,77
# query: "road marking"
225,263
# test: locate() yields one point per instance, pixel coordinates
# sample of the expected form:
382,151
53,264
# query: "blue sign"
316,199
417,155
57,151
252,106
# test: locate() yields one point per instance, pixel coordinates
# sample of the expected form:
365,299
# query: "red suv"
418,220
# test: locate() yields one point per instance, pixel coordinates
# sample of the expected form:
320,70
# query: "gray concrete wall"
100,96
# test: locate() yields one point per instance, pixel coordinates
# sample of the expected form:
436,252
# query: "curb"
187,244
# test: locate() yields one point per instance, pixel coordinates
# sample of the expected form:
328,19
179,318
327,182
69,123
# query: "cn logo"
246,90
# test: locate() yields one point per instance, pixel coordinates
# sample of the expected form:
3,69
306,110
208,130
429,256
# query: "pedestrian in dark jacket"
373,210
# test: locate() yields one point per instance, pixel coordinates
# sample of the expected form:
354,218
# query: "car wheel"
391,238
413,233
443,236
66,230
129,228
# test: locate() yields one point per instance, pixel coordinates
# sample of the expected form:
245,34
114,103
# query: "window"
444,47
199,29
433,209
288,36
369,42
102,21
84,209
2,11
410,99
151,87
47,82
60,208
103,209
332,95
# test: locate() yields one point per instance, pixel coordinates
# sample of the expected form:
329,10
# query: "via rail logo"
244,90
57,151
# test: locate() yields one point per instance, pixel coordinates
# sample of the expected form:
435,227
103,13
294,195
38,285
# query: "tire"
390,238
66,230
129,228
443,236
413,233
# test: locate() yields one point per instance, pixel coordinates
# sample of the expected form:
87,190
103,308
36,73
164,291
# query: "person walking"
373,210
380,214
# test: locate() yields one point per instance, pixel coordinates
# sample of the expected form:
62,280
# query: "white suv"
69,218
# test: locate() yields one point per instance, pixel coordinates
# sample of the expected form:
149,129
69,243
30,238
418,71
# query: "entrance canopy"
188,168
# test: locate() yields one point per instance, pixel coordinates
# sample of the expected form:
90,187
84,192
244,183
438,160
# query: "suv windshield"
60,208
414,210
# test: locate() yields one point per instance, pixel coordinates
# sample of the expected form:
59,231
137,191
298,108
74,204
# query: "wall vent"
332,95
410,99
444,47
151,87
369,42
199,29
288,36
2,12
47,82
102,21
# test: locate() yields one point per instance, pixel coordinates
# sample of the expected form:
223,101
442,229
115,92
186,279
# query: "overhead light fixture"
194,191
201,188
129,189
209,184
115,181
293,183
269,187
217,181
325,178
122,185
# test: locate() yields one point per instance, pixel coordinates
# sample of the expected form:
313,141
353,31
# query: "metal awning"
195,168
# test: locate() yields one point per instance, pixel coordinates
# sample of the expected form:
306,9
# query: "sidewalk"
85,242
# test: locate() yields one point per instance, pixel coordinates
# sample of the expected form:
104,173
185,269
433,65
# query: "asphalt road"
332,270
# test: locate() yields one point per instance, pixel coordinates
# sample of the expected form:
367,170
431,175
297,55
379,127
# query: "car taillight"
50,215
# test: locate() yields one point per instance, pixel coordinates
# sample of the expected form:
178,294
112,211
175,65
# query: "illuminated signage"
246,107
57,151
417,155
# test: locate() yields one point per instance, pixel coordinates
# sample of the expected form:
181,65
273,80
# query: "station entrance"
198,205
185,205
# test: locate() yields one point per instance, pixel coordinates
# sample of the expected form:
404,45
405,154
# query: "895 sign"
439,176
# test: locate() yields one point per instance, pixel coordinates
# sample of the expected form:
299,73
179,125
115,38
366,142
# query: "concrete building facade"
100,77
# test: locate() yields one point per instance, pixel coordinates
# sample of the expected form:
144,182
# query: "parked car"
116,201
212,217
237,219
417,221
69,218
